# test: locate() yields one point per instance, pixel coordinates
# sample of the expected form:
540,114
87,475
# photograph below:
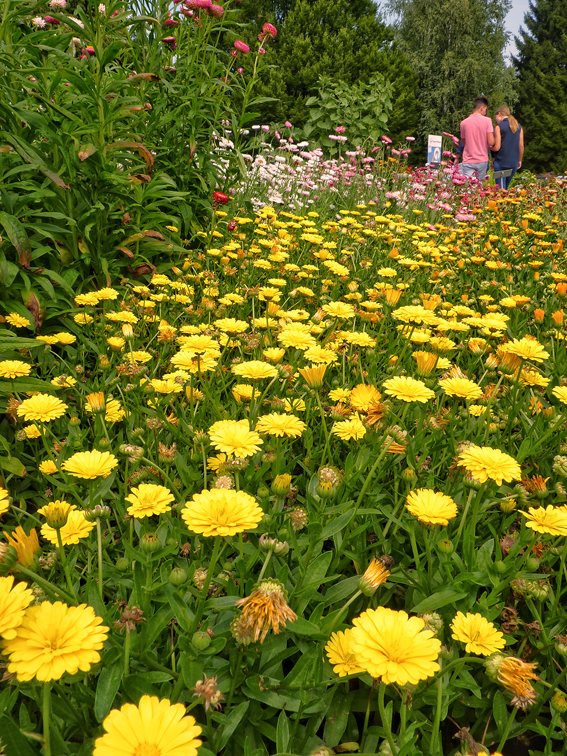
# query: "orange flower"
265,607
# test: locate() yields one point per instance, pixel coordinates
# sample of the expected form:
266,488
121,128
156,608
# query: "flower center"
147,749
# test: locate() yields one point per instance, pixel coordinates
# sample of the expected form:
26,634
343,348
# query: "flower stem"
383,717
49,588
507,729
437,720
127,653
65,565
219,545
46,716
559,578
371,473
325,430
99,546
266,562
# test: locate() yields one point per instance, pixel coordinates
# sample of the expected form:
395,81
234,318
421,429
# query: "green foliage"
455,48
542,83
362,107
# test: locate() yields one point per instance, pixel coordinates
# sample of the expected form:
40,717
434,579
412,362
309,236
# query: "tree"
455,48
542,82
345,40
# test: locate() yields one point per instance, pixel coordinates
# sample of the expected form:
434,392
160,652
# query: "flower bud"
122,564
433,621
149,543
100,512
409,474
508,504
97,402
201,640
445,546
177,576
559,702
560,465
262,493
281,485
8,558
375,575
326,489
299,518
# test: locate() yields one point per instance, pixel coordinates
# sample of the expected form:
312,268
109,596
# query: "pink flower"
386,140
269,30
242,46
52,21
239,70
170,22
410,139
216,11
261,51
288,125
340,129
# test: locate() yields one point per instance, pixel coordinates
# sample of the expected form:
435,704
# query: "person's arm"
491,139
521,148
497,139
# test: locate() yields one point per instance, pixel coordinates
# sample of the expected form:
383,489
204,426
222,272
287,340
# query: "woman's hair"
504,110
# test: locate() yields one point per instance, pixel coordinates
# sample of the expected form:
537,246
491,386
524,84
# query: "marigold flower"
90,464
76,527
222,512
314,375
527,348
373,577
561,393
265,608
152,728
149,499
363,396
255,370
515,675
234,438
394,646
431,507
48,467
340,654
461,387
485,463
408,389
415,315
478,634
14,369
339,310
550,520
26,545
426,361
353,428
42,407
54,639
278,424
16,320
14,600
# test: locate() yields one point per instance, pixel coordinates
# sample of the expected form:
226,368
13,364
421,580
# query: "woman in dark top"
508,147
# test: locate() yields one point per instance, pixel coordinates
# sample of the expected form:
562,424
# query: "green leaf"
302,626
17,235
282,733
15,744
500,711
337,525
13,465
438,600
23,385
234,719
106,690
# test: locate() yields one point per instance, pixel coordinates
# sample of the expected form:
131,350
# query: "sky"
514,20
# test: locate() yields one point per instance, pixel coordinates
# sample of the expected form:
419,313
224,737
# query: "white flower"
102,8
39,22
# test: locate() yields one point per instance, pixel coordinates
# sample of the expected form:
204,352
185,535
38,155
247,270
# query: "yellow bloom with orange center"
14,600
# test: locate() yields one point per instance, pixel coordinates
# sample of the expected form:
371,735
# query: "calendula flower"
533,378
339,395
339,310
561,393
222,512
340,655
26,545
373,577
265,608
527,348
485,463
274,354
14,369
314,375
42,407
296,338
431,507
17,321
478,634
90,464
426,361
194,362
234,437
415,315
461,387
55,639
408,389
353,428
14,600
75,528
278,424
152,728
363,396
149,499
550,520
48,467
4,501
231,326
255,370
516,675
394,646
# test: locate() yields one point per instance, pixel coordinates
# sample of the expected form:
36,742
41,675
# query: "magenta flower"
169,22
340,129
288,125
270,30
242,46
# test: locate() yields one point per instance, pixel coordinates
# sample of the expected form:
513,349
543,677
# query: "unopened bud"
281,485
201,640
177,576
149,543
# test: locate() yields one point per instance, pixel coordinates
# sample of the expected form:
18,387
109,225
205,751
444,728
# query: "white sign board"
434,147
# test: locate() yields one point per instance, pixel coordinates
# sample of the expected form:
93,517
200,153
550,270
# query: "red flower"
220,198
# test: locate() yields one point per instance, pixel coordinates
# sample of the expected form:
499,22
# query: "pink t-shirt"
474,130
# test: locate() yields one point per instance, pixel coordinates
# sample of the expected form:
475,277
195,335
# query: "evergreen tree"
455,47
345,40
542,81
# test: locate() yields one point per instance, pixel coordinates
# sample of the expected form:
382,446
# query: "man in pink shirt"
477,134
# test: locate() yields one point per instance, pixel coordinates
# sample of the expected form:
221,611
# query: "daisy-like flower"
478,634
533,378
26,545
75,528
200,344
340,655
266,607
16,320
485,463
339,310
415,315
231,326
339,395
139,357
122,317
222,512
14,600
55,639
373,577
42,407
234,437
408,389
56,512
274,354
360,339
362,397
193,362
4,501
295,338
314,375
550,520
149,499
353,428
63,381
394,646
426,361
90,464
516,676
168,386
48,467
319,355
278,424
431,507
527,348
14,369
560,392
255,370
461,387
152,728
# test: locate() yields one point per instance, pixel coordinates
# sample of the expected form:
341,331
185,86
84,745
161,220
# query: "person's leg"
501,182
467,169
482,170
510,177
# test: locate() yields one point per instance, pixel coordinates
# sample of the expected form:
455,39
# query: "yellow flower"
231,326
75,528
339,310
278,424
408,389
561,393
14,369
533,378
217,463
296,337
90,464
478,634
353,428
63,381
274,354
461,387
515,675
167,386
55,639
395,647
317,355
373,577
116,342
255,370
56,511
551,520
431,507
48,467
26,545
4,501
138,356
152,728
17,320
42,407
362,397
149,499
426,361
234,437
266,607
194,362
222,512
340,655
527,348
485,463
415,315
314,375
14,600
340,395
